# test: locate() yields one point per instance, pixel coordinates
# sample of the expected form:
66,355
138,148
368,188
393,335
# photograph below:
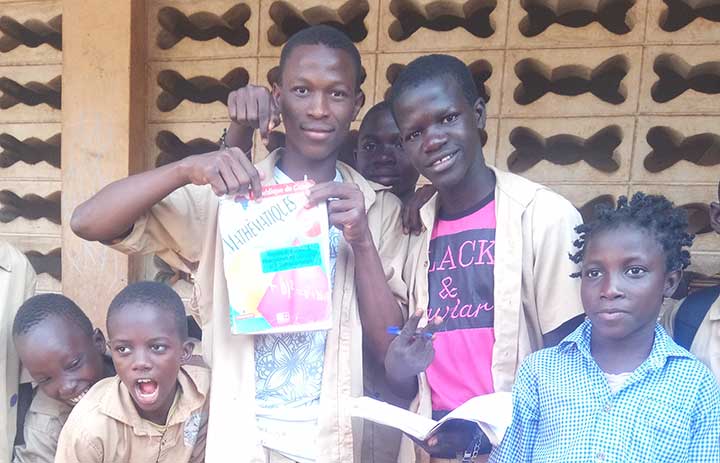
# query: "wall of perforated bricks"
30,126
595,98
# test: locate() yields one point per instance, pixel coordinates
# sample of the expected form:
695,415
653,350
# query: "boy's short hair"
430,67
331,38
157,295
382,106
43,306
654,214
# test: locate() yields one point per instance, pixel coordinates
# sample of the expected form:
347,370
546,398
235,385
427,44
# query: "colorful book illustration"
276,260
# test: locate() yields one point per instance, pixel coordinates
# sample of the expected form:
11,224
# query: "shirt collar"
663,346
44,405
194,383
347,173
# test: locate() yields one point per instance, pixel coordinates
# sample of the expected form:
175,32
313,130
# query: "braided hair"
654,214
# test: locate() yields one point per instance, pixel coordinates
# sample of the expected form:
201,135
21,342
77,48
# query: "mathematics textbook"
276,260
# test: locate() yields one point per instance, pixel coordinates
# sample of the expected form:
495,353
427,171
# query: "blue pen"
396,330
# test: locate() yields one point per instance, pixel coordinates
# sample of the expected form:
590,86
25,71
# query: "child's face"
64,361
440,130
147,352
318,100
624,280
380,156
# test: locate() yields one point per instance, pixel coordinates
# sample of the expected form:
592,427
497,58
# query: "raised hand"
411,209
254,106
412,351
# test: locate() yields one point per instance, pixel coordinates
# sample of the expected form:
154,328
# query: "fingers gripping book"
492,413
276,261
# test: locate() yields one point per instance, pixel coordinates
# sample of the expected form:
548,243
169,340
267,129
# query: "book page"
493,412
383,413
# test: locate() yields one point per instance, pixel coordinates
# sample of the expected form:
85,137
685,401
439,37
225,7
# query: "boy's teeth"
443,159
77,398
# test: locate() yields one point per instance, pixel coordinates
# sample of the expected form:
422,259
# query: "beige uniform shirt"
706,344
43,423
533,291
182,230
17,283
105,426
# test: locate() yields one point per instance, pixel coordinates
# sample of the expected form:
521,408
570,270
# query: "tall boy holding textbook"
489,275
276,397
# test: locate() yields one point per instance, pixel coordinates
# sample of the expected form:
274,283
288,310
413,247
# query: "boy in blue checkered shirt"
618,389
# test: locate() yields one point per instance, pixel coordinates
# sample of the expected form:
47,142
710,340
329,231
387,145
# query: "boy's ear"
275,92
99,340
715,216
480,113
672,280
359,103
187,350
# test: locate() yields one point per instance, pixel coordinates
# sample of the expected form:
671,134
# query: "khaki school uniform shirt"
106,427
17,283
706,344
44,421
533,291
182,229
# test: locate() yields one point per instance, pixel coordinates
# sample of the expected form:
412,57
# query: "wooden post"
103,126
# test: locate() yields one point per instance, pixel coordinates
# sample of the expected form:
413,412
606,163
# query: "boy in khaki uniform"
17,283
489,274
173,211
700,313
156,408
65,356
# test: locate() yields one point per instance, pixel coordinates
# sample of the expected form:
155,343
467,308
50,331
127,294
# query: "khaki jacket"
533,292
706,344
17,283
182,230
105,426
43,423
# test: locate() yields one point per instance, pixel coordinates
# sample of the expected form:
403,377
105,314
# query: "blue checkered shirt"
668,410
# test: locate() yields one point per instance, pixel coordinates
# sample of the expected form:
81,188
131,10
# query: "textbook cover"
276,260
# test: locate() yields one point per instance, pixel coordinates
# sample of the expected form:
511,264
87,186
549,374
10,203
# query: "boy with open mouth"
156,408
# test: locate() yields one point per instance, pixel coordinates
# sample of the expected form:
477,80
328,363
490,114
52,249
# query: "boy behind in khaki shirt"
156,408
705,345
65,356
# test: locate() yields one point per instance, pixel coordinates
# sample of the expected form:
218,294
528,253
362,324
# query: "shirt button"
608,407
426,263
601,456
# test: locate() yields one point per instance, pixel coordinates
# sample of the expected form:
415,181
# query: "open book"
492,413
